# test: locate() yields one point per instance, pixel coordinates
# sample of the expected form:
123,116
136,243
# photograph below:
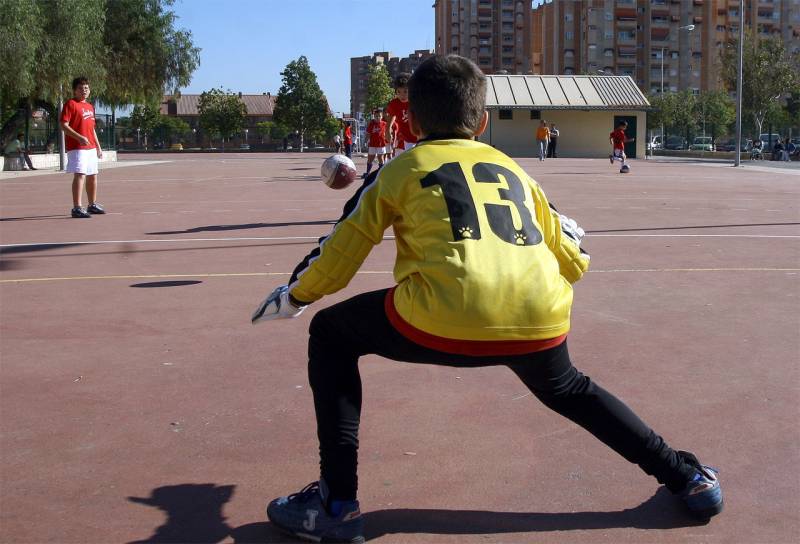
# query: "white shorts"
377,150
618,153
406,147
82,161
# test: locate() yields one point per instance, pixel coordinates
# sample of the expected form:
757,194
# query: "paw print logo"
465,232
520,238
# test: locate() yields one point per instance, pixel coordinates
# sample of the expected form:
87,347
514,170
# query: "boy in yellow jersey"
484,271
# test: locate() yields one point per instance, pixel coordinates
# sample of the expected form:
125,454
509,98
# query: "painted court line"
368,272
279,238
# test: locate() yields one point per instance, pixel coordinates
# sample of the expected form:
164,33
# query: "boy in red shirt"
618,140
83,148
398,112
348,140
376,131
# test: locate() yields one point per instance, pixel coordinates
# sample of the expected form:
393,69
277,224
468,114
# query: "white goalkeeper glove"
571,229
276,306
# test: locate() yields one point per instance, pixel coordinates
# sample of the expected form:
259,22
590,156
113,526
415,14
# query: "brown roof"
256,104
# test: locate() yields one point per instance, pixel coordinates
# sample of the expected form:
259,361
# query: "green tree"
171,129
221,113
379,87
715,111
128,49
146,55
144,118
300,104
769,75
264,129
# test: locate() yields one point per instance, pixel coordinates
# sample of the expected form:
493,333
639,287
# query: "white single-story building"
585,110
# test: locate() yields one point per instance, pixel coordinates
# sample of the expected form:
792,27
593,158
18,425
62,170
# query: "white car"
702,143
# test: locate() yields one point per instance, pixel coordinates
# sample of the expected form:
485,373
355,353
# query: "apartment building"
495,34
359,72
669,44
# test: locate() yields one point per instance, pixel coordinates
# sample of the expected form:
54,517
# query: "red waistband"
464,347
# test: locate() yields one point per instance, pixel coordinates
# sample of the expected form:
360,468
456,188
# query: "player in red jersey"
398,111
83,148
376,132
618,140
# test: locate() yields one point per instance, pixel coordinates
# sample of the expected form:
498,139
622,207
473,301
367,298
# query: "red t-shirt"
618,136
348,135
399,110
80,116
377,133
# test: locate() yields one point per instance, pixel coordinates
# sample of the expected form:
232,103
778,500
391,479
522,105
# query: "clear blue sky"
247,43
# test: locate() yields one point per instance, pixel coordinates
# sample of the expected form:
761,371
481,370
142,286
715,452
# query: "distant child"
484,269
398,112
348,140
376,129
618,139
542,139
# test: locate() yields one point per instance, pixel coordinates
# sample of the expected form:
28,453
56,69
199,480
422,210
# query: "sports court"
138,404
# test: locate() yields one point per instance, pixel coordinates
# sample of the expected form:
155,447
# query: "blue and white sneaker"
304,515
703,494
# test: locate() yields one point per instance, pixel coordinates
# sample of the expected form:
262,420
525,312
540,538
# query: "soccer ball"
625,169
338,171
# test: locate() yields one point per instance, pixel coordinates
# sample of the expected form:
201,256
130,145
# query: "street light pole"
738,160
662,98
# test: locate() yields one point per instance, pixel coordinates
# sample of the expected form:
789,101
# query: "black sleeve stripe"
348,209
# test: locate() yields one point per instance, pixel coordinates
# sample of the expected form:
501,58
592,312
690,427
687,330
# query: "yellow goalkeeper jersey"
480,253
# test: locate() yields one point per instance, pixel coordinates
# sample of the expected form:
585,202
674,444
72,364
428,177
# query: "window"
508,37
568,17
505,115
507,61
569,35
608,34
608,53
485,50
536,114
628,35
609,16
508,49
569,71
508,27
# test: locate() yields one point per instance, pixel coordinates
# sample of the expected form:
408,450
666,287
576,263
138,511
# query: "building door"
630,132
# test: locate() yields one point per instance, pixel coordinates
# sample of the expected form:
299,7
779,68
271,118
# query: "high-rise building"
359,72
495,34
674,44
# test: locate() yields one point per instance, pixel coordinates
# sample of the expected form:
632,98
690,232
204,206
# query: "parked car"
730,145
244,147
675,143
769,140
176,147
654,143
702,143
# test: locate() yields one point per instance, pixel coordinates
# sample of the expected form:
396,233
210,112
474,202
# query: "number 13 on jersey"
464,214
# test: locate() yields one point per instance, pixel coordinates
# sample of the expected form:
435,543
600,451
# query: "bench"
12,163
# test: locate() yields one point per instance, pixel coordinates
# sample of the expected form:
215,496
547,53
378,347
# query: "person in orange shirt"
542,139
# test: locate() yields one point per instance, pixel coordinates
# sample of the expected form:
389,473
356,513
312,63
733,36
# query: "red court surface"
138,404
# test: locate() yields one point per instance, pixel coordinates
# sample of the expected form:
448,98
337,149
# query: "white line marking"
279,238
367,272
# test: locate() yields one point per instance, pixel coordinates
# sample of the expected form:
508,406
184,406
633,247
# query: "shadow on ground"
194,514
244,226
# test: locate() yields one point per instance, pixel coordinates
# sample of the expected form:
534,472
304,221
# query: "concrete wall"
582,133
50,160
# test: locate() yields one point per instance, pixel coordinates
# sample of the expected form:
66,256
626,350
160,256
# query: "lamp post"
246,131
738,159
687,28
138,137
